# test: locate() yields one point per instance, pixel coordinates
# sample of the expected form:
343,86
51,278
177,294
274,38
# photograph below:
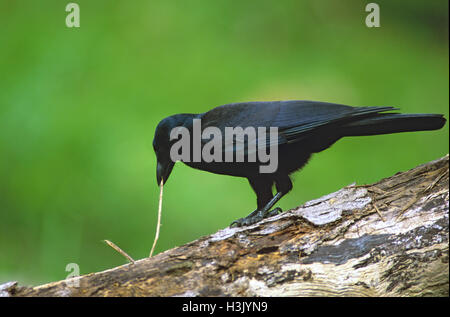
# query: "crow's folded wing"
295,120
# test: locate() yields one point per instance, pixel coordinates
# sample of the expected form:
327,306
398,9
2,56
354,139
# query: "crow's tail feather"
385,123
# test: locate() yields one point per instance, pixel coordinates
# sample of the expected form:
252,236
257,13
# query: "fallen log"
389,238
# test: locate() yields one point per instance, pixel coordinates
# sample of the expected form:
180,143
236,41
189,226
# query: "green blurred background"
78,109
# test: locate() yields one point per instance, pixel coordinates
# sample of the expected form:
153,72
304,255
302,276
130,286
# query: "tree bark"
385,239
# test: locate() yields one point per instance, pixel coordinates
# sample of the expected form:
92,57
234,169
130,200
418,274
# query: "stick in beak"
159,217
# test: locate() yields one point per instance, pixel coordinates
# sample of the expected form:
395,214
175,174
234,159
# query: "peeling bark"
385,239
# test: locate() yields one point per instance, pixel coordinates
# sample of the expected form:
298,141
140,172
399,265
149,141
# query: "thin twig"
378,211
159,219
407,206
122,252
436,180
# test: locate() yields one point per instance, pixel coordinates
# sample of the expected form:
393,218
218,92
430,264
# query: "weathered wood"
385,239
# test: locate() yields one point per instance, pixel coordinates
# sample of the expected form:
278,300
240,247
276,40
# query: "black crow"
302,128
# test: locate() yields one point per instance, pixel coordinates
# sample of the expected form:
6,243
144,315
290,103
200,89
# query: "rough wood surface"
385,239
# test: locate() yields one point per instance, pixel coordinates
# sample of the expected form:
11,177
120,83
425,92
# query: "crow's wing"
294,119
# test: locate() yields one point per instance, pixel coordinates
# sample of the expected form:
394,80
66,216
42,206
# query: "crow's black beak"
163,171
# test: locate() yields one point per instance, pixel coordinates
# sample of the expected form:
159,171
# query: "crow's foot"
254,217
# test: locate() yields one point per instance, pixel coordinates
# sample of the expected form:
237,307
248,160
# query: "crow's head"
162,144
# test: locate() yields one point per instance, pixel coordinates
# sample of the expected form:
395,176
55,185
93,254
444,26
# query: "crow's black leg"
262,186
259,214
263,189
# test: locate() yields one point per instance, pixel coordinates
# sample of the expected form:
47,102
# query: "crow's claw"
254,217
